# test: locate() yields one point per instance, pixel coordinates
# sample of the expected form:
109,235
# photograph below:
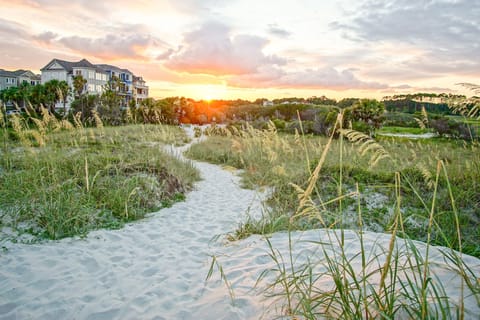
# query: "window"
98,88
78,72
98,76
104,77
91,87
91,74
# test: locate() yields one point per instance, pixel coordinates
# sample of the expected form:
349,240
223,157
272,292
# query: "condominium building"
121,81
15,78
98,77
140,90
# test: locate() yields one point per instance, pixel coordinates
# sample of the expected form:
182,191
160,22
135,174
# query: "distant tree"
85,106
55,91
79,83
64,93
110,105
11,95
24,92
347,102
38,96
367,115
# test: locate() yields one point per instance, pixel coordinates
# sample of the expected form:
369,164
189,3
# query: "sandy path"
156,268
151,269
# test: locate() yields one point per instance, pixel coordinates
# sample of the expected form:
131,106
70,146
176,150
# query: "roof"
5,73
68,65
16,73
108,67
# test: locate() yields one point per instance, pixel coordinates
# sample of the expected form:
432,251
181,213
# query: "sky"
248,49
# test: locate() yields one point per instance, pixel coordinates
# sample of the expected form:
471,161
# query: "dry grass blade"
305,196
366,144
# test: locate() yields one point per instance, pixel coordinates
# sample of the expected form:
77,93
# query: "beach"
157,268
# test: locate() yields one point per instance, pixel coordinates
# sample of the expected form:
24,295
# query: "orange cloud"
212,50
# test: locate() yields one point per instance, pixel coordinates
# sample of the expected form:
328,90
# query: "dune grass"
61,180
410,190
284,161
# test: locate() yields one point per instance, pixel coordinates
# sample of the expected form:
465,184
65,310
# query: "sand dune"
156,268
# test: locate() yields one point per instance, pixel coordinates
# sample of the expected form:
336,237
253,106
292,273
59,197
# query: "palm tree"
24,92
51,94
79,83
11,95
38,96
56,91
63,92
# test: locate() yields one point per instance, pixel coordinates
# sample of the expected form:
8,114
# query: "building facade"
98,77
10,79
121,80
61,70
140,90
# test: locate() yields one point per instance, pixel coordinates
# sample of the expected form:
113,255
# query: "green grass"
284,161
326,183
473,123
88,178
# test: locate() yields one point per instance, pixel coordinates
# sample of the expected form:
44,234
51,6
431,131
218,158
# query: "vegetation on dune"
58,180
322,158
278,160
415,190
426,190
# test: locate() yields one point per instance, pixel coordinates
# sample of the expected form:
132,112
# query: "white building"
140,90
131,87
61,70
16,78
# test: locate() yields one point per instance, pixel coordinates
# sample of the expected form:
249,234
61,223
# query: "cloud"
446,30
11,29
46,37
213,50
275,30
122,42
165,55
195,6
320,78
110,46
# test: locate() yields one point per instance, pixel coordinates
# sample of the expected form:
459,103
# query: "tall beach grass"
352,185
60,179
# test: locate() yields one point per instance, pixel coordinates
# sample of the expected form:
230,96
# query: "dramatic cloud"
122,42
111,46
275,30
346,44
46,37
213,50
10,30
446,30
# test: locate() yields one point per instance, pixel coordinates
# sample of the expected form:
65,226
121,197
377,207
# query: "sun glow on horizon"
209,92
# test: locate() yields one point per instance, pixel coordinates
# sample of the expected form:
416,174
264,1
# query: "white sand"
156,268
